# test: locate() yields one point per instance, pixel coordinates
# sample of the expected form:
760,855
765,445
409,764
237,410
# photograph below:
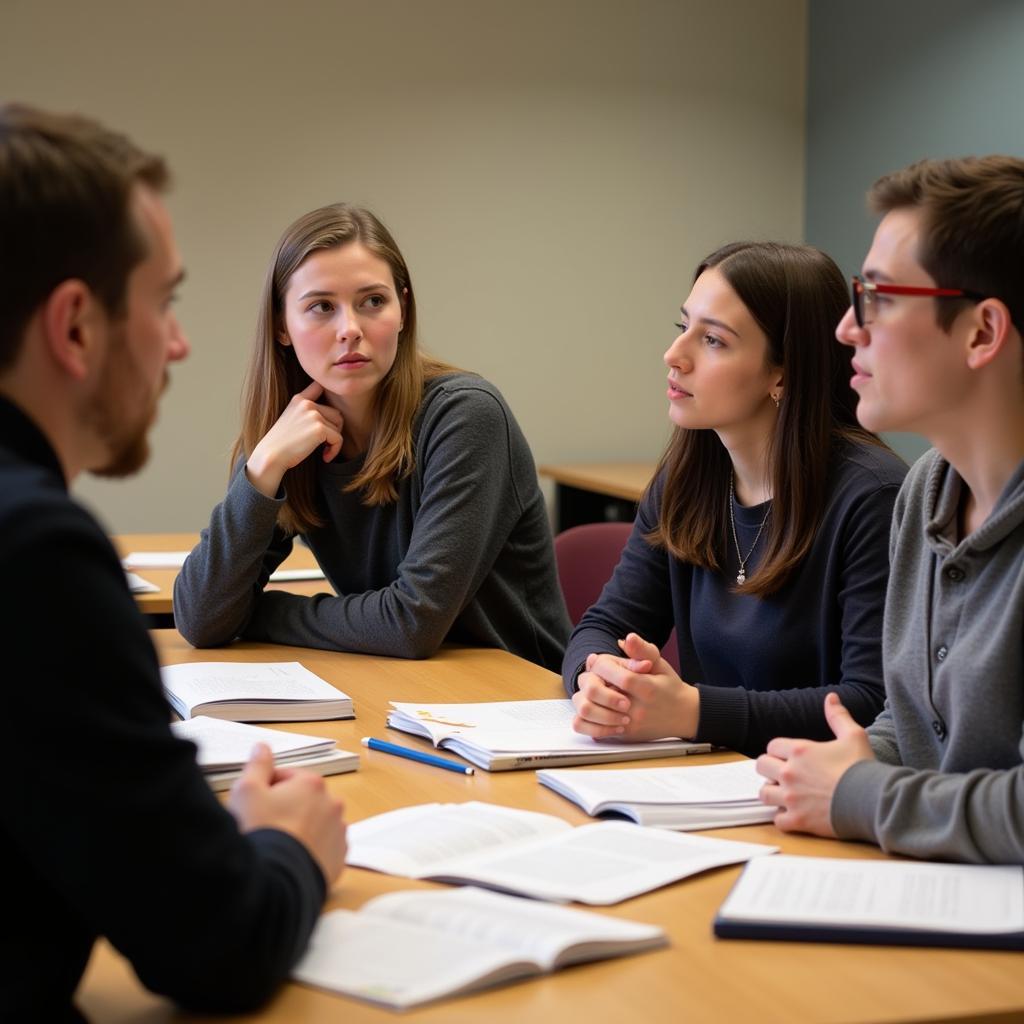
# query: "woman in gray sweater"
410,480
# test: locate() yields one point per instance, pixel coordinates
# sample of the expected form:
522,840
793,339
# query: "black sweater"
106,826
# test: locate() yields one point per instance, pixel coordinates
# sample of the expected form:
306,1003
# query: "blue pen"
415,755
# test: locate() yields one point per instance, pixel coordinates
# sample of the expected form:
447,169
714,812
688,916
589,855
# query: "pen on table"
415,755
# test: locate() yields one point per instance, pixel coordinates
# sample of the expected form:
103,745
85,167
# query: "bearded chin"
127,443
127,460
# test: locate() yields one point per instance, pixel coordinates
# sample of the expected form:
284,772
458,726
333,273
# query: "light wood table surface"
625,480
160,603
698,978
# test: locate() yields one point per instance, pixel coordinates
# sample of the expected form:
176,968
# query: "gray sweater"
949,779
464,554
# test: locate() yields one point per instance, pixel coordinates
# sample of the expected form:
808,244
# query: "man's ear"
73,324
990,331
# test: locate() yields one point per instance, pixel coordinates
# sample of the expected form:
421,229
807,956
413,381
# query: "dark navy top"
764,665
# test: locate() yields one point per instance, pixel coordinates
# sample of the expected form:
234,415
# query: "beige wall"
552,170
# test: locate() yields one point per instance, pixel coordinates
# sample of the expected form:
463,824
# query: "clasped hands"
633,698
639,696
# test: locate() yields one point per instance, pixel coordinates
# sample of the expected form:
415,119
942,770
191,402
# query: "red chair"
586,557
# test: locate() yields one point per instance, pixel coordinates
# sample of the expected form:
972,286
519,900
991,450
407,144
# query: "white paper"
606,863
414,841
154,559
224,745
519,717
137,585
534,854
505,727
902,894
292,575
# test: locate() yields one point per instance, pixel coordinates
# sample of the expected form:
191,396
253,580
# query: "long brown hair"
797,295
274,374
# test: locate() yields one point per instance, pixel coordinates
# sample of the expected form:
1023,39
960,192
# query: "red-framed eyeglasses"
862,295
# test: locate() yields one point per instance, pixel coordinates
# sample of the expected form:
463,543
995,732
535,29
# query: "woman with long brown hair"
410,480
763,538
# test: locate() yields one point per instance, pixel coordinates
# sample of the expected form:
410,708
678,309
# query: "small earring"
775,399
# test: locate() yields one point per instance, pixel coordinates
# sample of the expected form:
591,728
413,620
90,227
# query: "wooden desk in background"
596,492
698,978
159,604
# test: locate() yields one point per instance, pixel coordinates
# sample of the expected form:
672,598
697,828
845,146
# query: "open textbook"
408,948
534,854
818,899
279,691
223,748
701,796
498,735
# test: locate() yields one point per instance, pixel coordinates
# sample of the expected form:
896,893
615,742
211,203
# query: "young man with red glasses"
935,325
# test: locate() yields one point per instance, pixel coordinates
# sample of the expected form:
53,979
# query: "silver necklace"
741,576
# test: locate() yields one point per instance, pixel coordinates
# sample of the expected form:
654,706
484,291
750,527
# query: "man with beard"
108,827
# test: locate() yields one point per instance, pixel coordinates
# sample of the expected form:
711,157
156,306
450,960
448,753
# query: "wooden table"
160,603
594,492
698,978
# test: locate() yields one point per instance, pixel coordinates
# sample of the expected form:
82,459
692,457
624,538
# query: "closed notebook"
683,798
408,948
223,748
282,691
533,854
817,899
502,735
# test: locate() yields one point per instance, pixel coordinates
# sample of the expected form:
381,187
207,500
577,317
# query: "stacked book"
223,748
283,691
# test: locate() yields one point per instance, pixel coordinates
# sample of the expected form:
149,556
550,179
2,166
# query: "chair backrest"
586,557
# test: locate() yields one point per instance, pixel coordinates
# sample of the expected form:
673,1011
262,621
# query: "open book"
498,735
816,899
282,691
223,748
702,796
408,948
534,854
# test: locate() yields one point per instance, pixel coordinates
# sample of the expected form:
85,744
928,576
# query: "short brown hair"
66,186
972,234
